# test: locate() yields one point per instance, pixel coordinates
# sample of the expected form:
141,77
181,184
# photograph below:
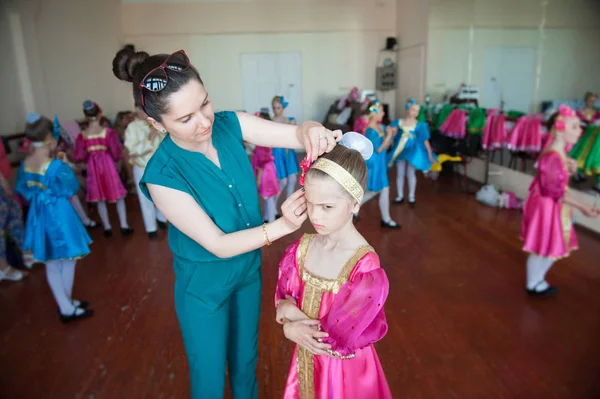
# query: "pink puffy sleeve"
356,318
289,281
113,144
80,154
553,176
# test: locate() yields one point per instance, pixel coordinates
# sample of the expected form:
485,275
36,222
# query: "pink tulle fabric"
360,125
103,182
263,160
526,136
354,319
455,125
494,133
542,225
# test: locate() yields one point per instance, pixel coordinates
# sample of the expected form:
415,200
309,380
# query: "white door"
265,75
510,78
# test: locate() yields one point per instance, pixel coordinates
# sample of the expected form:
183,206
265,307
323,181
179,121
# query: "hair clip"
410,102
304,167
32,117
88,105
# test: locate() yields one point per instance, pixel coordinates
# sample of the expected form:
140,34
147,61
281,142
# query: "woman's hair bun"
127,61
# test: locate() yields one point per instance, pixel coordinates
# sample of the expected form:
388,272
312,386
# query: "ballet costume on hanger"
268,186
409,153
547,225
53,232
101,151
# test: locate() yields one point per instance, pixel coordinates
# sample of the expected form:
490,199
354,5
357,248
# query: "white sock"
160,217
400,173
537,267
412,182
68,276
56,283
384,205
103,212
270,209
367,197
291,186
122,211
79,210
282,184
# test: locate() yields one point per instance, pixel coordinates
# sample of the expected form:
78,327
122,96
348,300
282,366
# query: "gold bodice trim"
314,287
41,171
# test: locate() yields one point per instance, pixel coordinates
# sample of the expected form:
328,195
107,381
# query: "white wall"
12,103
570,42
339,42
68,46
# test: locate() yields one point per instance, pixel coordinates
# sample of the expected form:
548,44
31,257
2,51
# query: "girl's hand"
590,212
294,210
317,139
391,131
432,159
305,334
288,310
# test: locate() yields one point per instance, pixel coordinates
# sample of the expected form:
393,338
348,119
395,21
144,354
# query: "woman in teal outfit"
201,179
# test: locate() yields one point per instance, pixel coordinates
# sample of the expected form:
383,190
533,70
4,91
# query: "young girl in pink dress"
100,148
331,289
547,226
263,164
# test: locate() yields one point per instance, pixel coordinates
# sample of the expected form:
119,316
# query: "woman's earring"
164,131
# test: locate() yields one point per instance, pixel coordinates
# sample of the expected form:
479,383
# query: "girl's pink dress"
350,309
455,125
547,226
589,118
101,151
262,159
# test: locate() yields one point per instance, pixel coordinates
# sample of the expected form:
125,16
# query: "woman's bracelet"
267,241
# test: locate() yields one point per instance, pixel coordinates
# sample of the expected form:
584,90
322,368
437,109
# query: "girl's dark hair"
551,121
265,115
39,130
132,66
349,159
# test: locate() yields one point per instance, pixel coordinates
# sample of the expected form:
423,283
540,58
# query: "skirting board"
511,180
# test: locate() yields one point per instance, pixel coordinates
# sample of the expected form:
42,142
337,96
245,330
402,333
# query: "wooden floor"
460,324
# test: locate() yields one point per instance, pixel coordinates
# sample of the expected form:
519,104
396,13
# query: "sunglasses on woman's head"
157,79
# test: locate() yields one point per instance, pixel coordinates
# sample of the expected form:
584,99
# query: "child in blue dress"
381,137
286,163
53,231
411,151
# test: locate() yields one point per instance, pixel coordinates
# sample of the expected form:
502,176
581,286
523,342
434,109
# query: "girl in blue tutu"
53,231
410,151
381,137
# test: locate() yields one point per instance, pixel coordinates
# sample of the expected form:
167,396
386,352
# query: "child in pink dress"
266,180
99,147
547,226
331,289
263,164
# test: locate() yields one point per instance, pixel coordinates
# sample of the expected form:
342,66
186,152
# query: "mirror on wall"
497,72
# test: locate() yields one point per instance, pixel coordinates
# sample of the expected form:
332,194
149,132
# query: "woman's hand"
294,210
305,334
317,139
